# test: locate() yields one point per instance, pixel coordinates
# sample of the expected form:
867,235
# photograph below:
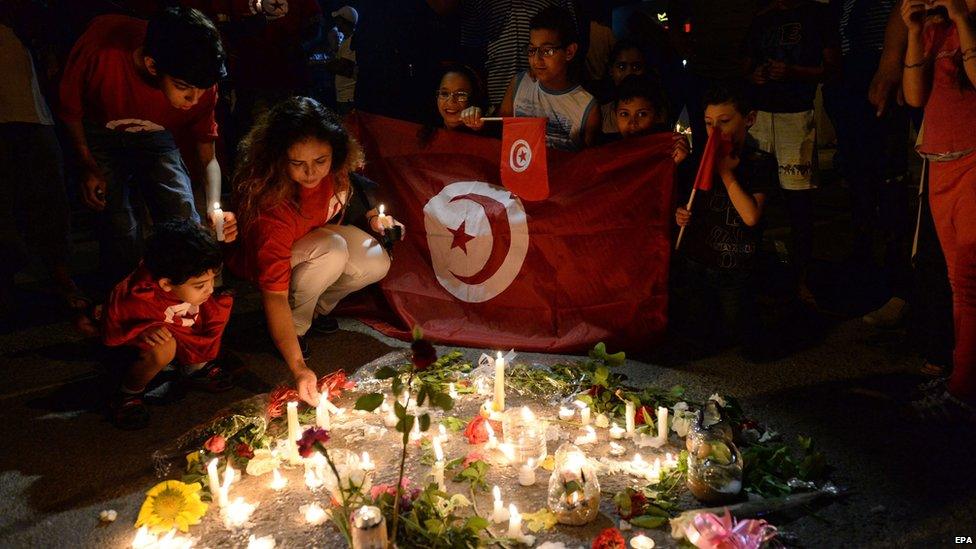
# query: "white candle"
266,542
322,418
237,513
565,413
514,522
662,423
415,431
499,400
438,469
617,449
584,412
390,420
294,433
492,441
314,513
228,480
499,513
385,221
451,390
526,474
638,466
442,431
588,436
216,492
641,542
655,473
365,464
218,220
278,482
616,431
631,412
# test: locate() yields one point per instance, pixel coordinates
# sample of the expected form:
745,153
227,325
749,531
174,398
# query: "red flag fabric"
524,168
482,268
138,303
717,147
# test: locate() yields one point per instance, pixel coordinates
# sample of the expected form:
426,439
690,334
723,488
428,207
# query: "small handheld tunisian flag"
718,146
523,160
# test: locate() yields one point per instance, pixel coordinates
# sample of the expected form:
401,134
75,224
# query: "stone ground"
825,375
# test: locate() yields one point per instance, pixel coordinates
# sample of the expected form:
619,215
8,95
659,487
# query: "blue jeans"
720,302
140,168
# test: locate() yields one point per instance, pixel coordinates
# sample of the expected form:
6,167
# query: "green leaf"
369,402
616,359
647,418
648,521
721,453
422,395
572,486
601,375
425,422
443,401
599,351
405,425
397,386
453,424
386,372
418,332
399,409
476,524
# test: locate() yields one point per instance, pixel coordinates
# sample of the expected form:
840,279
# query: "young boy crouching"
166,309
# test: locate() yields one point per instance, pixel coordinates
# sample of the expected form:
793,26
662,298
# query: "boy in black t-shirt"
719,251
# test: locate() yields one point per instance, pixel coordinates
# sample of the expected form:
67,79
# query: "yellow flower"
191,458
172,504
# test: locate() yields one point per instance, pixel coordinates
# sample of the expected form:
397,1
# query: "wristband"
915,65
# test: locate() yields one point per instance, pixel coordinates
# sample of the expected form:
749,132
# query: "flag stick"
681,233
492,119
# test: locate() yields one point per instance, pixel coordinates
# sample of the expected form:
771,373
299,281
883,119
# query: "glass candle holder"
714,463
574,489
526,434
368,528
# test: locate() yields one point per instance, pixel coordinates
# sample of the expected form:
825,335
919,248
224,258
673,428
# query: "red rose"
639,414
595,390
424,354
637,502
476,432
215,444
244,451
610,538
312,437
471,458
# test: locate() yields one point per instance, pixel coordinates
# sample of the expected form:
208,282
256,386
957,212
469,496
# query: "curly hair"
261,180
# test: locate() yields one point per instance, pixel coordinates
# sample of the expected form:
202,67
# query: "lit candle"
218,220
314,513
278,482
631,419
584,412
565,413
492,441
514,522
365,464
526,474
588,436
228,480
641,542
266,542
499,400
390,420
655,472
451,390
438,469
322,418
385,221
368,528
442,431
499,513
670,460
216,492
415,431
662,423
638,466
294,433
616,431
237,513
617,449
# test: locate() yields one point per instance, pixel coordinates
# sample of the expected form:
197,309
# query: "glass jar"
574,489
526,434
714,462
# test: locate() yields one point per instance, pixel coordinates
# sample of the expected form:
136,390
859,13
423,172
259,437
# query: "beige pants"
792,138
328,264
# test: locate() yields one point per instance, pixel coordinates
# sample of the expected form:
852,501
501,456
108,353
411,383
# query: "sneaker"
890,314
325,324
306,350
129,412
210,378
165,388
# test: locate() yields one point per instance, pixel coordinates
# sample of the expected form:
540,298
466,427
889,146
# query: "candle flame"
278,482
497,492
382,209
314,514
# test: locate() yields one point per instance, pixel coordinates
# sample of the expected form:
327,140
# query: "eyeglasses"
546,51
462,97
634,67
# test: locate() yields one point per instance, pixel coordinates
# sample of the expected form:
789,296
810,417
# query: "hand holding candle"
218,221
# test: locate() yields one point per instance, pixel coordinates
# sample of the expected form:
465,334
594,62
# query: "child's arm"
471,116
749,206
507,108
959,13
282,329
155,336
888,75
915,81
592,126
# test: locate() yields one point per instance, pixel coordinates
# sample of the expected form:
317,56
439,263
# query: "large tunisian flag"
480,267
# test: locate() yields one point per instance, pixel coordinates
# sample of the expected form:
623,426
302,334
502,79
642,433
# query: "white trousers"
328,264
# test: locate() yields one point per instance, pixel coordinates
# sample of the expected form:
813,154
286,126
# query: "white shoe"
890,314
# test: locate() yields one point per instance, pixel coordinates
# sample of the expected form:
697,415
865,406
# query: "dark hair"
261,180
557,20
181,249
733,93
624,45
646,87
185,45
478,99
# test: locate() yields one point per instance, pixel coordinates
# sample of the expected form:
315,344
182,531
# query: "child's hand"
682,217
913,14
230,226
727,164
306,383
760,75
680,149
374,223
93,191
471,117
957,9
778,70
156,336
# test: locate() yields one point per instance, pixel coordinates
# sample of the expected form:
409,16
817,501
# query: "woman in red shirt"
939,74
294,188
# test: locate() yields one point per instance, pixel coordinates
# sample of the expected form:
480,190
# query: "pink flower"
312,437
476,432
709,531
215,444
472,457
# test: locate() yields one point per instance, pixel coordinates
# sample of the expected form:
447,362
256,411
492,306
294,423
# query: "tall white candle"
294,433
514,522
616,431
278,482
228,480
438,464
499,400
584,412
216,491
218,220
492,441
322,418
452,390
631,420
365,464
662,423
499,513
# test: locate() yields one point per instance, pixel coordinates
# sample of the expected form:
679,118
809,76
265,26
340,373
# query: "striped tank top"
566,110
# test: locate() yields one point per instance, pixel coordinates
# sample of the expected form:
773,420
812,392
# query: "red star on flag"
461,238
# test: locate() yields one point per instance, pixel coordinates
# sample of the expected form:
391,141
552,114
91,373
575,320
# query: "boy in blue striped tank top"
548,90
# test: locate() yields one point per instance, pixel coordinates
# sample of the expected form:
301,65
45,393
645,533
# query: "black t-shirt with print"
717,236
796,36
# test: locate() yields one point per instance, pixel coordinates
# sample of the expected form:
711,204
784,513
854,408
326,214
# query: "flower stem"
403,458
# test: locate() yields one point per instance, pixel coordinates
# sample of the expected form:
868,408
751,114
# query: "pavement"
826,375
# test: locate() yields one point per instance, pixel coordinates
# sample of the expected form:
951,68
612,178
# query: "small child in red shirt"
166,308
